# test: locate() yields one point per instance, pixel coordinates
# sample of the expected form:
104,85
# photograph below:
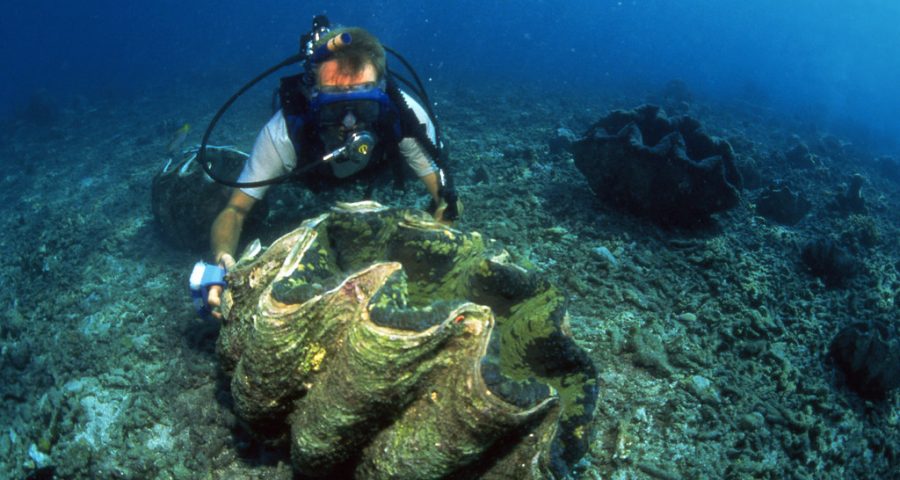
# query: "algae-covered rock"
383,345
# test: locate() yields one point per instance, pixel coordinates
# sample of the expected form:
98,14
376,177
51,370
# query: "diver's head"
360,61
349,98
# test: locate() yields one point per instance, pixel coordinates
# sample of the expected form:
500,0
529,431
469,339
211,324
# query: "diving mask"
331,104
345,116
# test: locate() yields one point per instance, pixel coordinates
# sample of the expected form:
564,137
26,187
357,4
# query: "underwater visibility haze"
677,254
832,60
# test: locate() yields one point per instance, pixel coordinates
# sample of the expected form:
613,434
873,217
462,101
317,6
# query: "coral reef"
780,204
868,353
860,232
395,347
185,201
711,345
666,169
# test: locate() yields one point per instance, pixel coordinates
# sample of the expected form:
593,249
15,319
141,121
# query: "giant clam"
185,201
381,344
663,168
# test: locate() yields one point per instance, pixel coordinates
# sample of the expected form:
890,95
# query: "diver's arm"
431,184
435,176
272,156
226,229
439,204
226,232
436,180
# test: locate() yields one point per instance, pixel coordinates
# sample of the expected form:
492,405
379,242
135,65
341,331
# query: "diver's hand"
447,216
214,299
439,219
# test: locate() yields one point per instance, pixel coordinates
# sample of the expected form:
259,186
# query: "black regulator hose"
201,154
417,87
419,91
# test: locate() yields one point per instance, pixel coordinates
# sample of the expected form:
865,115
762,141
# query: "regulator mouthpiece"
357,149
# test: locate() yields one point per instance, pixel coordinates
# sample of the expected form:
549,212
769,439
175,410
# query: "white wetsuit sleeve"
272,156
416,156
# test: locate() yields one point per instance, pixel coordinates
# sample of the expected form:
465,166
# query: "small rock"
40,458
751,421
702,388
604,254
700,383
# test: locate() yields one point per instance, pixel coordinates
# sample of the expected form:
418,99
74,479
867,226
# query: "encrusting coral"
384,345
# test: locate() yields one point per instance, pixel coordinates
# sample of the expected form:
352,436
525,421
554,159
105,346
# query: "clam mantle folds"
381,344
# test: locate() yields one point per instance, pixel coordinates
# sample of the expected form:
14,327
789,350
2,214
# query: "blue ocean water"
835,62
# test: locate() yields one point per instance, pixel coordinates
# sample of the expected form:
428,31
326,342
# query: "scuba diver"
343,118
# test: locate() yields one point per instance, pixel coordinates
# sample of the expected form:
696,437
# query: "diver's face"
331,75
